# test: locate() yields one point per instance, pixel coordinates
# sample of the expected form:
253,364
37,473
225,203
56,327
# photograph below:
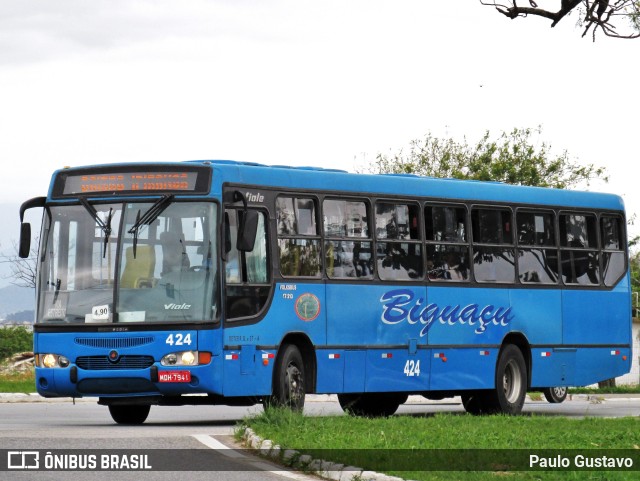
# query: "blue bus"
220,282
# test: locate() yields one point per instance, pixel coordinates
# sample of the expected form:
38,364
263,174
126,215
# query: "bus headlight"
51,361
185,358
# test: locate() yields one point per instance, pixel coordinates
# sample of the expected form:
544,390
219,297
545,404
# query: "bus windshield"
128,262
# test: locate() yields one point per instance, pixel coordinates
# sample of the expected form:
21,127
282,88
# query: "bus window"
493,253
578,242
247,273
348,245
613,265
447,248
537,252
298,238
399,251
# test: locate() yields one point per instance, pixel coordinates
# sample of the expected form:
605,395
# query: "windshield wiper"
148,217
105,226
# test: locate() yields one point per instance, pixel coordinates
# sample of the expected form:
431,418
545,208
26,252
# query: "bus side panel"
598,364
553,367
466,368
397,370
538,315
462,316
384,322
597,316
295,308
330,377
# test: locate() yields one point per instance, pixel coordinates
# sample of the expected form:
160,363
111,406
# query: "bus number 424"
412,368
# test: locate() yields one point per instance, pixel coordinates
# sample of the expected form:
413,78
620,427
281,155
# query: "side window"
493,252
613,256
537,251
298,237
578,249
447,243
347,239
399,249
246,273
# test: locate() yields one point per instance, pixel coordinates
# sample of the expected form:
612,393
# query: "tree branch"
595,14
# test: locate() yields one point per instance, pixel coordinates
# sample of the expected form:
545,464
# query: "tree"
606,15
512,158
23,271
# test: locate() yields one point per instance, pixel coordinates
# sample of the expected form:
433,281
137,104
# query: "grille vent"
114,342
102,363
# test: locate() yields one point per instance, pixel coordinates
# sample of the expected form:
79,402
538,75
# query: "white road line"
225,450
213,443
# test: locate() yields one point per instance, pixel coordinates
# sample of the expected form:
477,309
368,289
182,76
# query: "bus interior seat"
138,270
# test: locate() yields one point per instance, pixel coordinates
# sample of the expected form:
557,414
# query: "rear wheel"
129,413
555,395
511,382
288,380
371,405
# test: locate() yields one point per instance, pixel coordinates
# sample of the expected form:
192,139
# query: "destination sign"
134,182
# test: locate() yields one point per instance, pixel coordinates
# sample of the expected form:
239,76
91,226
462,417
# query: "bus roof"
328,180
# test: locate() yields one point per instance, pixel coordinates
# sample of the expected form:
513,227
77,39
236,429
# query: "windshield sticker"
59,308
100,313
307,307
401,305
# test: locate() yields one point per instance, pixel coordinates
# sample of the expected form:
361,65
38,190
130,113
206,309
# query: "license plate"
174,376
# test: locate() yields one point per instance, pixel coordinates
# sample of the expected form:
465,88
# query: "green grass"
345,434
18,382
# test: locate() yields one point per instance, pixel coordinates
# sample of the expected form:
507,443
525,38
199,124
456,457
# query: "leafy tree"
606,15
514,158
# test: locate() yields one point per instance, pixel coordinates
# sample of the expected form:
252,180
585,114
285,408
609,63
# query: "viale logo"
177,307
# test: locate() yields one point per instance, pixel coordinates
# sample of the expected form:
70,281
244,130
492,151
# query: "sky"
329,83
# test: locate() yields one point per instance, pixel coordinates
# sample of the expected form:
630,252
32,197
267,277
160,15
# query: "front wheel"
555,395
129,413
288,380
371,405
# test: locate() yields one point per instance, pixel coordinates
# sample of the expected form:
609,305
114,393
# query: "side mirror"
248,230
25,228
25,240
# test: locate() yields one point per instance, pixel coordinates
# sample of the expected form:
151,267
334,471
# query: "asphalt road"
203,433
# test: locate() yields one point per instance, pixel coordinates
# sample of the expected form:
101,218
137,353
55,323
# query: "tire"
129,413
371,405
555,395
476,403
288,388
511,383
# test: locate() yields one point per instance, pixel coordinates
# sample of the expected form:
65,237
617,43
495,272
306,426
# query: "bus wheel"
555,395
371,405
476,403
288,380
129,414
511,382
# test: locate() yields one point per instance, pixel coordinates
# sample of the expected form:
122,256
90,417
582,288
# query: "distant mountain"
14,299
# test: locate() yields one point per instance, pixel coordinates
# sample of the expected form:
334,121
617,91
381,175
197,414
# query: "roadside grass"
18,382
347,437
